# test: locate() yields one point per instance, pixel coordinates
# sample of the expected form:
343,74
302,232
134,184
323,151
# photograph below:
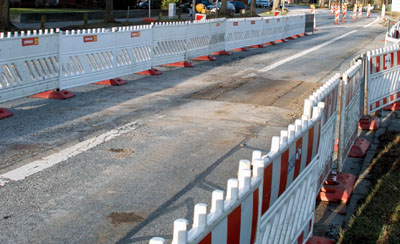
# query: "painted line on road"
373,22
67,153
305,52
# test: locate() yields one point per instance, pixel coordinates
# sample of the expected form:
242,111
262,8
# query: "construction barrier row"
273,199
36,61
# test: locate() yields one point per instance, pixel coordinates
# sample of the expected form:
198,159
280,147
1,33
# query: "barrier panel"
383,86
268,28
236,33
217,35
329,94
198,39
169,43
272,201
351,110
392,36
29,63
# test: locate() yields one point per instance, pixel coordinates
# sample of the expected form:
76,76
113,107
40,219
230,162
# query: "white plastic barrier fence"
383,71
217,35
28,63
169,43
329,94
198,39
393,35
237,31
272,201
351,110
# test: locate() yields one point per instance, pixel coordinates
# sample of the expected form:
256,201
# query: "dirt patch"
120,218
121,153
260,91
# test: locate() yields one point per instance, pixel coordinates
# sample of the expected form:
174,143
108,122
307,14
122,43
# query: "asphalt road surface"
125,162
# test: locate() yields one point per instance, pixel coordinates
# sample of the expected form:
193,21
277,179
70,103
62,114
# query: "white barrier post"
180,231
157,240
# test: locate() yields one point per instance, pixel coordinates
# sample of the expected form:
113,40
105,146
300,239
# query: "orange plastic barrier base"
258,46
4,113
185,64
320,240
242,49
54,94
269,43
112,82
392,107
150,72
222,53
368,123
149,20
359,148
340,192
206,58
279,41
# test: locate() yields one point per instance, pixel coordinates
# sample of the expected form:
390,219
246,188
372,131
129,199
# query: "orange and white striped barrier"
344,13
369,10
332,8
312,11
337,16
355,12
360,12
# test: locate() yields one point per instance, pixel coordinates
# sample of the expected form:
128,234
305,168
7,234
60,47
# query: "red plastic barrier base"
112,82
269,43
150,72
185,64
359,148
4,113
258,46
302,34
368,123
340,192
320,240
279,41
242,49
206,58
149,20
293,37
222,53
55,94
392,107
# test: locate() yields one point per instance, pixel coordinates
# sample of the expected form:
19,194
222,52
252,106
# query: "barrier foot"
258,46
279,41
222,53
54,94
242,49
151,71
112,82
302,34
392,107
336,23
368,123
320,240
4,113
336,146
185,64
359,148
339,192
206,58
269,43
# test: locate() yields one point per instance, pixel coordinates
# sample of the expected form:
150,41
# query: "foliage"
165,3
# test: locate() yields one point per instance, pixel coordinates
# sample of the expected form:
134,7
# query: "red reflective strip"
300,238
255,217
234,226
398,95
391,97
384,62
378,63
206,240
267,188
370,107
370,65
284,171
391,60
319,133
297,163
384,101
398,58
310,145
377,104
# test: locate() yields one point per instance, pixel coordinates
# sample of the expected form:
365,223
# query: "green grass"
377,219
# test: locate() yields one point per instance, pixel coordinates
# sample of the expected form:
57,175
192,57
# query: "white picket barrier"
217,35
29,63
254,33
272,201
235,33
392,37
296,25
268,28
169,43
279,28
198,39
351,110
383,71
329,94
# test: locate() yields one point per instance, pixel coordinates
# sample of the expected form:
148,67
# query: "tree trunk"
275,5
109,11
4,14
223,7
253,6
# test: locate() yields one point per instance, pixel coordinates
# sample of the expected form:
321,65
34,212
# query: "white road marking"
373,22
305,52
51,160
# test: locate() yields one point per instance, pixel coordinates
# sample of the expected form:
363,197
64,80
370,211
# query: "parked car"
230,8
34,3
263,4
145,4
238,6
